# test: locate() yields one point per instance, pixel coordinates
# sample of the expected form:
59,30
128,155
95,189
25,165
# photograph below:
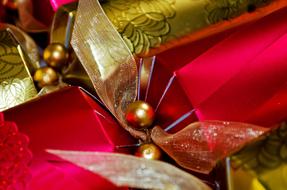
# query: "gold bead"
45,76
56,55
140,115
149,151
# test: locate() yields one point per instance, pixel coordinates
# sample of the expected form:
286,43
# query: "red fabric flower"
14,157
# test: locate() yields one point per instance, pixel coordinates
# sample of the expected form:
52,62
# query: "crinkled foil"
125,170
107,60
200,145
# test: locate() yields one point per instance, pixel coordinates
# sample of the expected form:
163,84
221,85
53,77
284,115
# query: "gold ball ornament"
140,115
56,55
149,151
46,76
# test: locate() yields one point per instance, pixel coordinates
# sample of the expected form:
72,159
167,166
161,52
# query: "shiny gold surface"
46,76
149,151
140,115
27,44
152,26
16,84
63,23
56,55
16,91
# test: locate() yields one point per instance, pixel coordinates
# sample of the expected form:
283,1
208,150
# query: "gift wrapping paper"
148,28
16,84
68,119
151,27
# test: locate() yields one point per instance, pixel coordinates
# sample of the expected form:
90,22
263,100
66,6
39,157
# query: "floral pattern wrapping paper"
16,84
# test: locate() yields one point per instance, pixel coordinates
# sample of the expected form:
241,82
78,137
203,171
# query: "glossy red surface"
67,120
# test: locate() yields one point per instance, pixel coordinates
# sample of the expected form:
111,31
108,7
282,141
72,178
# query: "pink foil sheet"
58,3
242,78
66,120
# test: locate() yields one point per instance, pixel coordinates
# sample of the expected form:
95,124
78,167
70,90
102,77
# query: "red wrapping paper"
66,120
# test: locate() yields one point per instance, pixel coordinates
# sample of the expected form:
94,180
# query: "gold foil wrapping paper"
28,45
152,26
16,84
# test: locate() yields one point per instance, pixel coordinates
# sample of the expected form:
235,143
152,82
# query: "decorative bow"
114,74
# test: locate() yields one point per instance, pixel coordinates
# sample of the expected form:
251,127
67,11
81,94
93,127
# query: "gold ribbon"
107,60
125,170
113,71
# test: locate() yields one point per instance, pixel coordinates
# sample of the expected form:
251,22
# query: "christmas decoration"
174,94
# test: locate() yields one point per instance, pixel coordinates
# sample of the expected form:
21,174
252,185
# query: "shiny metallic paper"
152,26
16,84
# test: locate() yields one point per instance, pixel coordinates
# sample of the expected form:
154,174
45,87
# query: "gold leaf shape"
16,91
11,64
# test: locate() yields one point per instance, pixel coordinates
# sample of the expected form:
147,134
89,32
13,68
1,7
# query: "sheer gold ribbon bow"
113,71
